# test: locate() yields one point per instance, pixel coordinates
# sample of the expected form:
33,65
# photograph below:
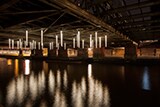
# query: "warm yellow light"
45,51
16,67
27,53
90,52
89,49
9,62
45,67
72,52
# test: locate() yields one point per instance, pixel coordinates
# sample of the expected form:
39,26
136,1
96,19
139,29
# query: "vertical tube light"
39,45
74,42
96,39
35,45
65,46
56,41
90,41
17,44
106,40
50,47
61,36
99,42
78,39
83,44
42,38
9,43
12,44
26,38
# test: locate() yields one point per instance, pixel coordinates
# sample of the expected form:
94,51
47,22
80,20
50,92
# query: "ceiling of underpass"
123,21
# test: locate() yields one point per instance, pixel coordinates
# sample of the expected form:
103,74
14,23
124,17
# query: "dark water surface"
30,83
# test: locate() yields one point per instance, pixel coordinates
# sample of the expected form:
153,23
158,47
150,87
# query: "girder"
85,15
133,6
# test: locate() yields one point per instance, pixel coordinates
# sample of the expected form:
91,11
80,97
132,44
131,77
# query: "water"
30,83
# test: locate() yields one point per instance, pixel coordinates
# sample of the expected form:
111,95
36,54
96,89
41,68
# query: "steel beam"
137,16
130,24
135,28
8,4
86,16
27,12
19,22
146,36
134,6
148,31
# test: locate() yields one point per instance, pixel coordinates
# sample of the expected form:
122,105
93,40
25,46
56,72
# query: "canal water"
34,83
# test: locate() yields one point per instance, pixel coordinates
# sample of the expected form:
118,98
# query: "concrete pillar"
82,53
98,53
20,52
37,52
52,53
148,51
107,52
62,53
32,52
130,52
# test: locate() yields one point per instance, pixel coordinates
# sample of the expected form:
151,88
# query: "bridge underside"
123,21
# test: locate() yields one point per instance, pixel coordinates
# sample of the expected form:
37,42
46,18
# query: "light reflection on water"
27,67
146,79
98,94
52,89
16,70
50,84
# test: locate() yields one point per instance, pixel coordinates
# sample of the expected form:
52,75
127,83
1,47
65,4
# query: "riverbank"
115,60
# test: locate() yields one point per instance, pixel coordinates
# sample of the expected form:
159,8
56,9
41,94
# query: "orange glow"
45,67
9,52
116,52
119,52
72,52
27,53
90,52
16,68
9,62
45,51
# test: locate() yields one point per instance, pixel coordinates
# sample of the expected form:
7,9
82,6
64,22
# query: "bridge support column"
20,52
52,53
82,53
98,53
130,52
36,52
62,53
